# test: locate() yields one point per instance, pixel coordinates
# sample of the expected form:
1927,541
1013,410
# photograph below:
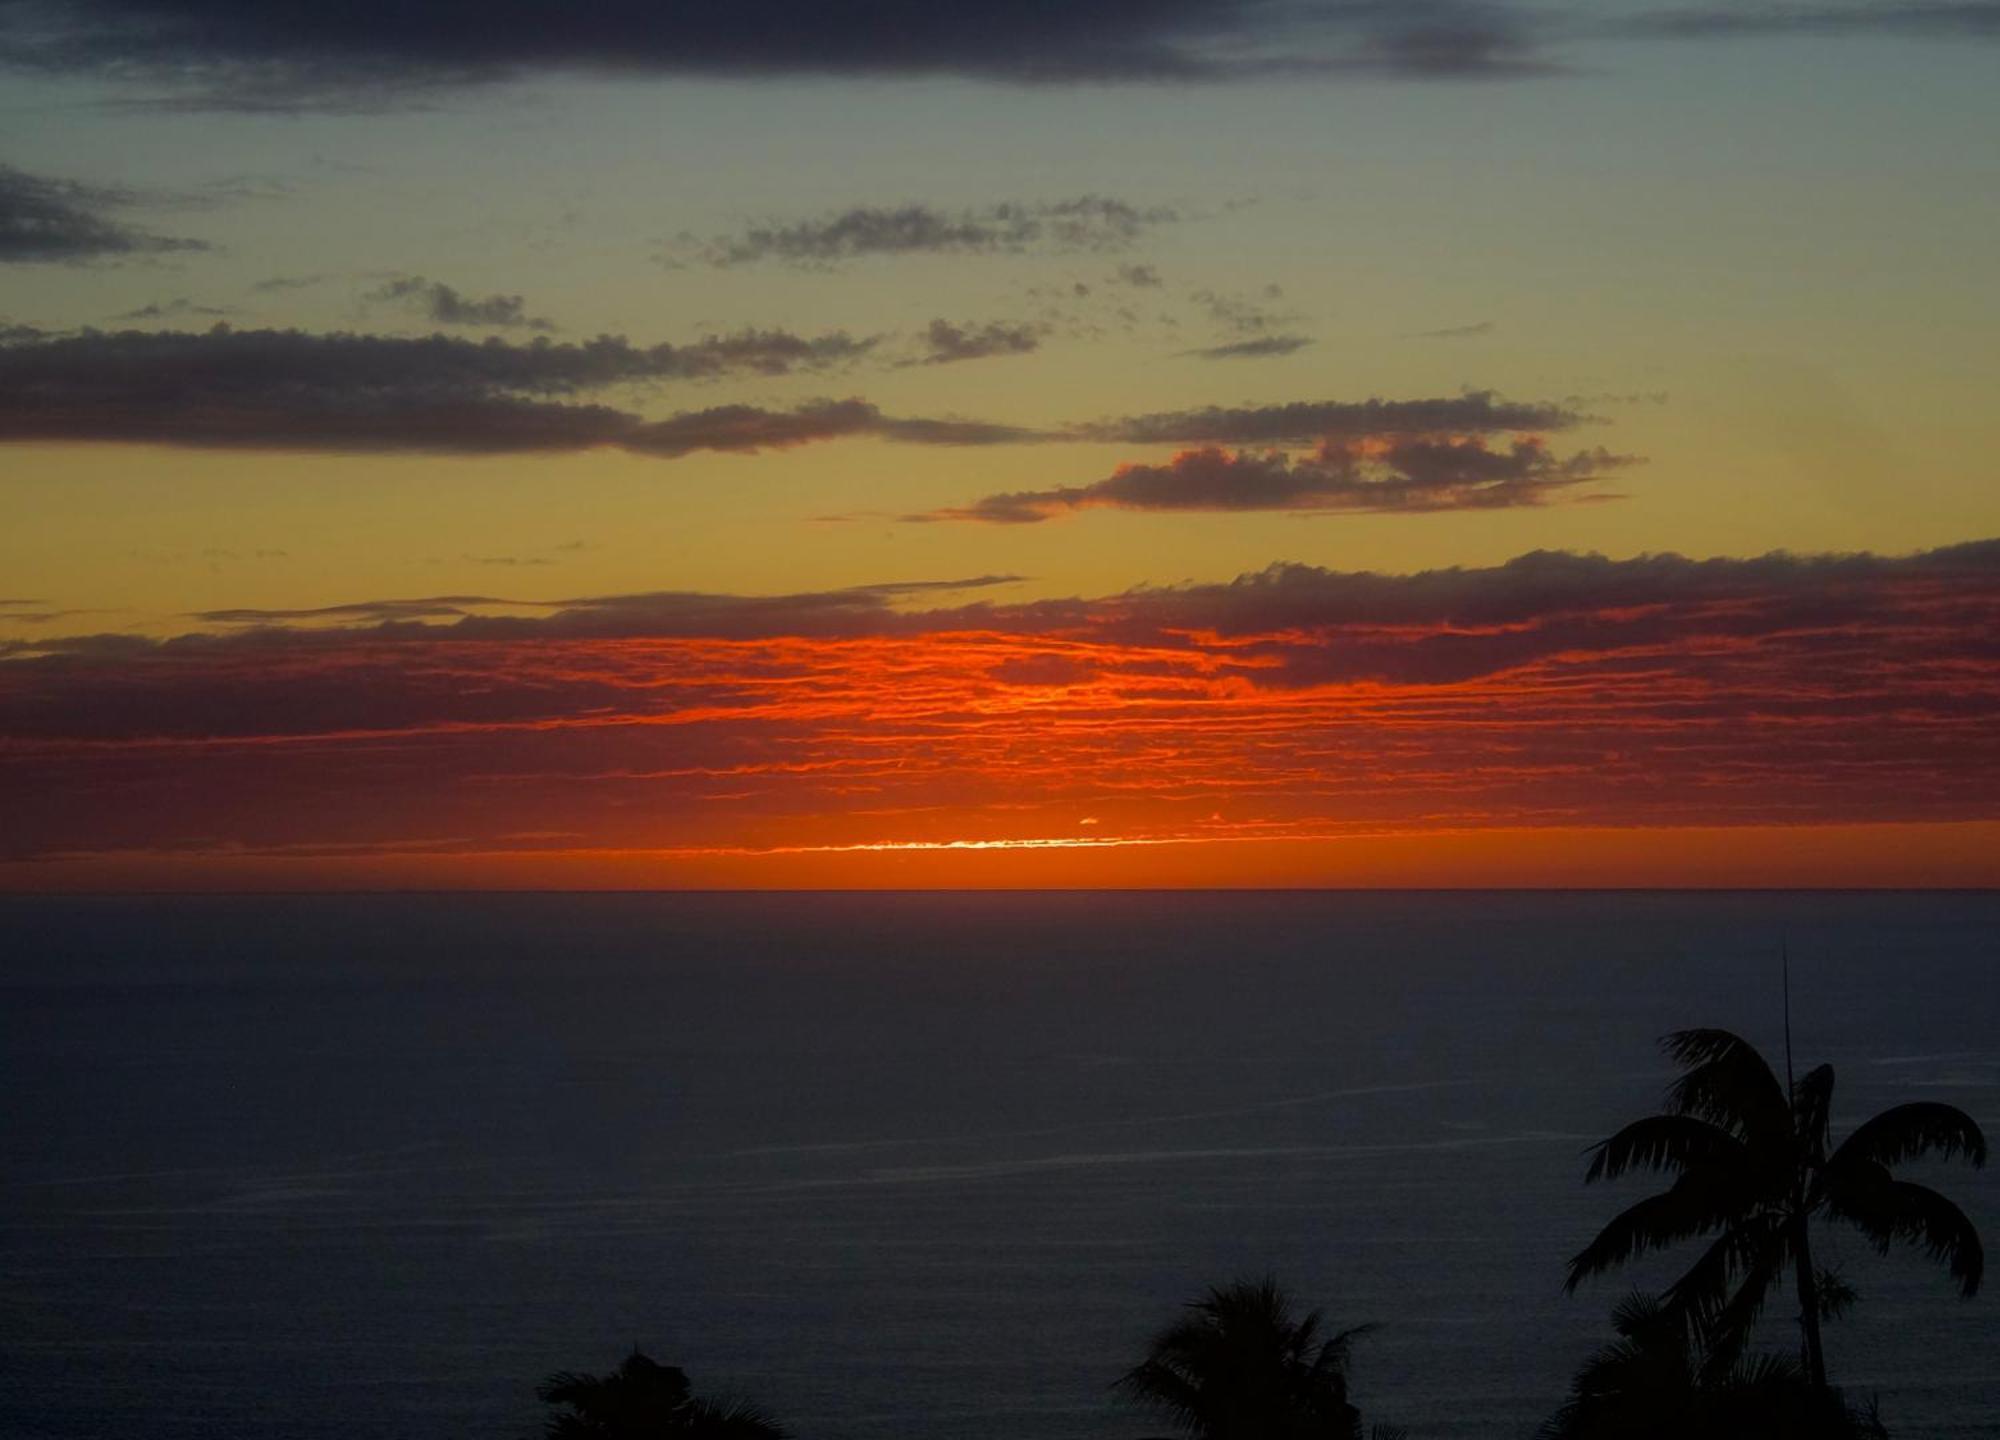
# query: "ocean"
904,1165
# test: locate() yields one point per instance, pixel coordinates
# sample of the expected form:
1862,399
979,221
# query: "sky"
1130,442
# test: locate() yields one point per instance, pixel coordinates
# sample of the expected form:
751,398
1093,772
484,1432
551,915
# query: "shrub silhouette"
1655,1382
1240,1366
644,1400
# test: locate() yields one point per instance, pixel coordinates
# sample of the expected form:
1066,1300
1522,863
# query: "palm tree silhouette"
1753,1169
644,1400
1240,1366
1656,1382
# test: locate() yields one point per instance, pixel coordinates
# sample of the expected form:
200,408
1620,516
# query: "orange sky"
1176,442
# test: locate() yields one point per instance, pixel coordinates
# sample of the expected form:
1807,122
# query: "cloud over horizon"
1553,689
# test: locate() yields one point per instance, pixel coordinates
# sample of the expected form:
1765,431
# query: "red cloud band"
1555,690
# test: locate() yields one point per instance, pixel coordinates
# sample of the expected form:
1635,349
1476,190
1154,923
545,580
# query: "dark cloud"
441,303
1088,222
290,390
1448,40
362,612
1407,475
1309,625
1458,332
653,612
167,309
1262,348
1139,277
1477,412
64,220
1976,19
277,283
244,55
749,428
947,344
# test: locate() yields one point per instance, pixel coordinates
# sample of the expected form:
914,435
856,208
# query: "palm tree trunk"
1808,1282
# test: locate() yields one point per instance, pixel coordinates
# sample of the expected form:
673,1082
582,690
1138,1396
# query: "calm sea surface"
900,1166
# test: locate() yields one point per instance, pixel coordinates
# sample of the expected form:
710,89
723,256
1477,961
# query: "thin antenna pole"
1785,964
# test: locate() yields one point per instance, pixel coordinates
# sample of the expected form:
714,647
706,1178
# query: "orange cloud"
1287,714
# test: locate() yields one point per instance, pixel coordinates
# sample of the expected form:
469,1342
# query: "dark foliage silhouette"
644,1400
1239,1365
1753,1169
1654,1382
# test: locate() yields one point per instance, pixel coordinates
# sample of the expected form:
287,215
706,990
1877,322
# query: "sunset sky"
1129,442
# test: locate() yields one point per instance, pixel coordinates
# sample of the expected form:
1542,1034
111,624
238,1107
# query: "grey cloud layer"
251,55
248,55
1970,19
1409,475
57,220
1806,592
292,390
749,428
1477,412
1373,455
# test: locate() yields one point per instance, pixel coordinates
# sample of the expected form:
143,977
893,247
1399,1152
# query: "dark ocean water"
904,1165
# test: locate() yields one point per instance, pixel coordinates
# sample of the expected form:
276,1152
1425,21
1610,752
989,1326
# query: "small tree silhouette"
644,1400
1240,1366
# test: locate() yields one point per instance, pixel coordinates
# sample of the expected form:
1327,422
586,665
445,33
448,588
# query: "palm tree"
1240,1366
644,1400
1753,1169
1655,1382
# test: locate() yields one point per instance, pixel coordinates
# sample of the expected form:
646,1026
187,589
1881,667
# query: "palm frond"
1728,1084
1754,1245
726,1420
1903,1132
1726,1329
1836,1296
1335,1353
565,1387
1812,1099
1663,1142
1888,1210
1693,1206
1159,1387
1768,1372
1637,1314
